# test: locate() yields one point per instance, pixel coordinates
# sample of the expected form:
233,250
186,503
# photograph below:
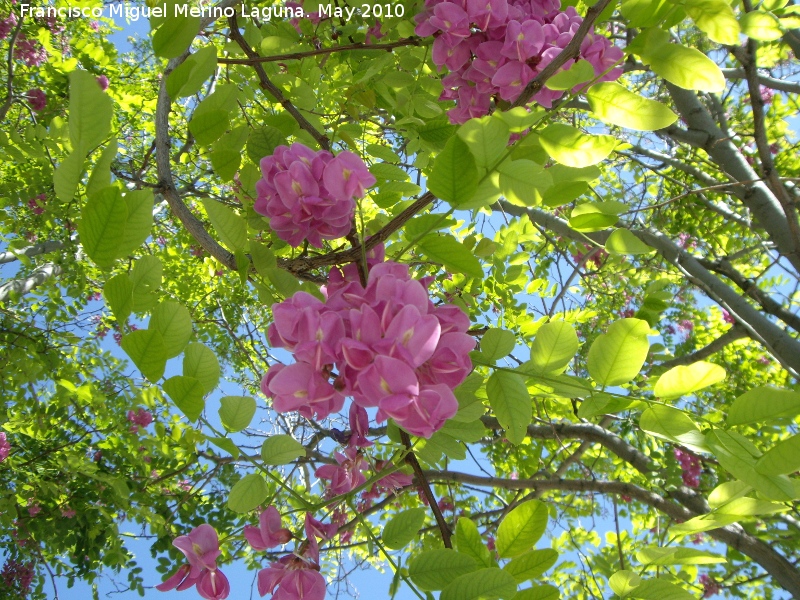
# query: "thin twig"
411,459
412,41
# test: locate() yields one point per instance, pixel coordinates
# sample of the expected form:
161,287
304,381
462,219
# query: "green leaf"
225,162
616,357
139,221
554,346
531,565
566,79
511,402
487,584
497,343
716,19
200,362
188,78
602,404
682,381
403,528
436,569
232,228
573,148
147,351
146,277
595,216
101,174
687,68
521,528
207,126
523,182
724,493
102,225
226,444
263,142
250,491
520,118
90,111
175,35
734,455
702,523
187,394
448,251
749,507
173,321
486,137
118,293
624,582
437,131
281,450
614,104
782,459
666,556
236,412
454,177
646,13
622,241
67,175
659,589
538,592
763,404
761,26
672,425
468,541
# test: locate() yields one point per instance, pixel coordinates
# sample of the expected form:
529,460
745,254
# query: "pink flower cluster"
37,99
201,549
294,576
17,577
690,467
309,195
29,51
139,419
7,24
386,345
496,47
710,587
5,446
36,204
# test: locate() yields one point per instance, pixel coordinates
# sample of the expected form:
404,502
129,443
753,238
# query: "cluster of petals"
385,345
296,576
7,25
310,195
139,418
690,468
5,446
29,51
37,99
269,532
201,549
496,47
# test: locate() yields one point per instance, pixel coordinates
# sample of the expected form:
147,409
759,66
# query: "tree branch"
734,536
31,251
412,41
730,336
571,50
274,90
34,280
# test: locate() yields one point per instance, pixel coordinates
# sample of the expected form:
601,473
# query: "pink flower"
359,427
7,24
269,533
102,81
5,446
291,578
140,418
201,549
345,476
299,387
347,177
374,33
37,99
710,587
68,513
34,509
